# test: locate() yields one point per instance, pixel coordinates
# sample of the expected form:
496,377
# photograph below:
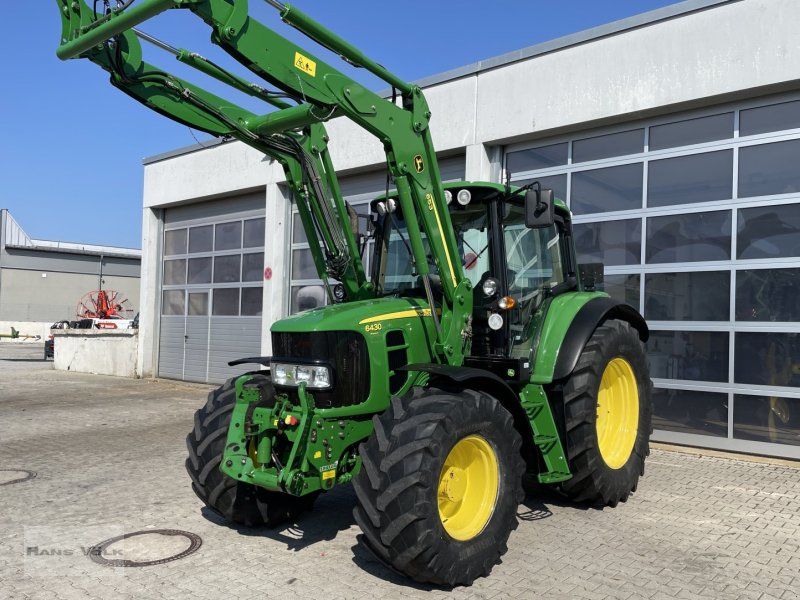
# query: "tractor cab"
513,267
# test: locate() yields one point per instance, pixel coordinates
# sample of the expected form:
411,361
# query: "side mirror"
539,211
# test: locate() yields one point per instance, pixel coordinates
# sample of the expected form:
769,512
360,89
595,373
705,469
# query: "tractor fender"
491,384
589,318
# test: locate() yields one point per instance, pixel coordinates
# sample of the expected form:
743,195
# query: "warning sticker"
329,474
306,65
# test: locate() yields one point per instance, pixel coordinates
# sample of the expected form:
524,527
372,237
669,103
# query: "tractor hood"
369,317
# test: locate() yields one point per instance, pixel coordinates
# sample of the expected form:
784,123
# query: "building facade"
674,136
42,281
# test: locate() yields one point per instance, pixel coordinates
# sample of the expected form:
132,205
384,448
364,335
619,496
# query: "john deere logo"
419,164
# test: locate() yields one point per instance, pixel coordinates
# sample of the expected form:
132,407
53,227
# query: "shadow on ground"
332,513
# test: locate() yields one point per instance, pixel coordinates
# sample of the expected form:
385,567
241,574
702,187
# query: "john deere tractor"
476,352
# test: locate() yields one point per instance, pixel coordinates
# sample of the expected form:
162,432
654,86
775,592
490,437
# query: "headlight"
315,377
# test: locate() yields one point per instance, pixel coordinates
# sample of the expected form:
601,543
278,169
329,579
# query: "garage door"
212,290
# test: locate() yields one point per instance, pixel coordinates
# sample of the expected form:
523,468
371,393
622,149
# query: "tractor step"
545,434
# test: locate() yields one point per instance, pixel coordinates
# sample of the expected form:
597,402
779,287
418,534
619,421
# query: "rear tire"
608,426
233,500
440,484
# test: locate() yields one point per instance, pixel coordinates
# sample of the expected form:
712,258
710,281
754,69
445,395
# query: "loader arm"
294,134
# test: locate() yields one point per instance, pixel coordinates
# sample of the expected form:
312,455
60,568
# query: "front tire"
440,484
608,412
235,501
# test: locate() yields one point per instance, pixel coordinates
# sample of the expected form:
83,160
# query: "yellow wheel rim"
468,487
617,413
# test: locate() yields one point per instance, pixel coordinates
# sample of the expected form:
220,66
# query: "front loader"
475,352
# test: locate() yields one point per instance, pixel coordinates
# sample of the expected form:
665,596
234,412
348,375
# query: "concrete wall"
47,296
97,352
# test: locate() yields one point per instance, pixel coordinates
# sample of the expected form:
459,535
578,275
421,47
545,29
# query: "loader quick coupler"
288,445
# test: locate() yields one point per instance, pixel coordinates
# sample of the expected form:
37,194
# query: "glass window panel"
603,190
604,146
298,233
769,232
688,411
306,297
253,266
692,355
690,179
252,301
769,169
227,268
767,359
692,131
537,158
175,272
228,236
254,233
557,183
201,239
775,117
172,302
198,304
174,242
767,419
226,302
622,288
768,295
689,238
703,296
200,270
303,265
609,242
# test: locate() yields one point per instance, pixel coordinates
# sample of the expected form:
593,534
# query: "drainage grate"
28,475
97,552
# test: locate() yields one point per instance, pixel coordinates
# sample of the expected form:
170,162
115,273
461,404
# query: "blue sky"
72,148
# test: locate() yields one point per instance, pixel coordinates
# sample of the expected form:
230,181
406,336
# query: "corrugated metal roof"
15,237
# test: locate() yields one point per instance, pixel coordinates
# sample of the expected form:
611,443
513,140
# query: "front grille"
345,351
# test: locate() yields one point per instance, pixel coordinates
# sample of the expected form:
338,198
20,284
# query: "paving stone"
109,454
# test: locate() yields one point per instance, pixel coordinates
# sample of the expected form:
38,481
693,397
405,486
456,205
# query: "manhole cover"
145,548
10,476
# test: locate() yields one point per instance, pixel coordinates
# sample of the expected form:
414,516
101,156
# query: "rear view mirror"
539,211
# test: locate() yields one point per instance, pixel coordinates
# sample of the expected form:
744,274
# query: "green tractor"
474,353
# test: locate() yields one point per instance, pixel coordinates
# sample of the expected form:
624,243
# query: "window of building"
692,296
609,242
606,190
689,238
769,232
605,146
769,169
692,131
765,119
534,159
718,278
690,179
